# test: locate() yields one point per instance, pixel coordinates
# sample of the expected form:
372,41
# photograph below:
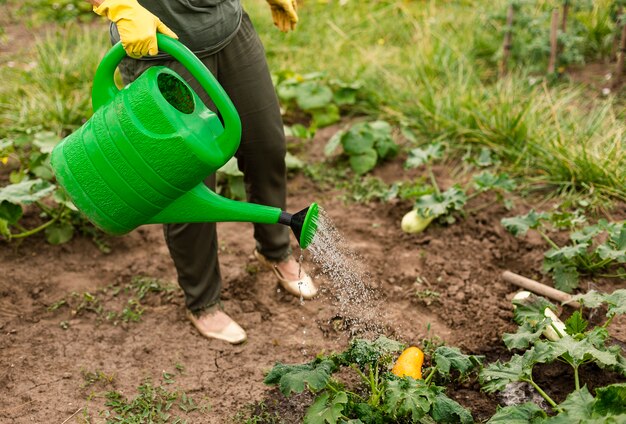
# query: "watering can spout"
203,205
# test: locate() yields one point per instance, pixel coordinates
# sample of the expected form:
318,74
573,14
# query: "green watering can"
144,154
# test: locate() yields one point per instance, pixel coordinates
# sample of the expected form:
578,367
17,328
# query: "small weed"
430,342
153,404
428,296
257,413
144,285
95,377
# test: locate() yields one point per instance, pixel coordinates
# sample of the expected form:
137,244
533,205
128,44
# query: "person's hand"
136,25
284,14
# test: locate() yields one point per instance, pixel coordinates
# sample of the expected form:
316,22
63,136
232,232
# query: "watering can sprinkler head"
303,223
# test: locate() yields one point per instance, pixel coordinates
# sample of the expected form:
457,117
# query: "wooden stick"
536,287
507,44
554,28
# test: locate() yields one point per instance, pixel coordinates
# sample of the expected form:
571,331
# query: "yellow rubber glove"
136,25
284,14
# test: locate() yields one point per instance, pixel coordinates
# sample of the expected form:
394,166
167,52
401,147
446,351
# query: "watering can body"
144,154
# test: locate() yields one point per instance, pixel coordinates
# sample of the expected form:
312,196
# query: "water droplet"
352,294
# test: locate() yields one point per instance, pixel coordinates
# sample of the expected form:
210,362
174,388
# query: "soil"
441,286
64,343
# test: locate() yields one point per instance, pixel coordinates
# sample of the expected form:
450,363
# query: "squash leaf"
326,409
519,225
451,358
407,397
446,410
294,378
517,414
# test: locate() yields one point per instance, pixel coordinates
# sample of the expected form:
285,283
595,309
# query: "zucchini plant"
365,144
597,249
382,396
576,345
320,100
31,186
444,205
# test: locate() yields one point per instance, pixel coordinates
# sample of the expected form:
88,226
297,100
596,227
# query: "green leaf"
446,410
326,409
386,148
519,225
606,251
4,229
26,191
45,141
451,358
364,162
292,162
345,96
420,156
293,378
578,406
617,236
364,352
578,352
567,252
591,299
287,90
487,181
313,95
497,375
326,116
586,234
436,204
368,414
565,278
299,131
406,397
10,212
230,168
358,139
615,301
59,233
576,324
524,336
333,143
517,414
610,400
531,310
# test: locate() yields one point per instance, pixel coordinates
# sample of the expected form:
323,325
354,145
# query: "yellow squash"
409,363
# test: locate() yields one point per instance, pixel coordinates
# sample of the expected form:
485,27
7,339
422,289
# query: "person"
221,34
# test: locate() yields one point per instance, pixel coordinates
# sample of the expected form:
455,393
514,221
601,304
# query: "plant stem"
433,180
430,375
576,380
608,321
542,393
548,239
35,230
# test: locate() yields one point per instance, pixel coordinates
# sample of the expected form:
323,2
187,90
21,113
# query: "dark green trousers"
241,68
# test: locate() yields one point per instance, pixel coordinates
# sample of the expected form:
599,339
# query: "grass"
51,90
432,66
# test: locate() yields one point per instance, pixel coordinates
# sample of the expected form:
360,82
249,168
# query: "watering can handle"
104,88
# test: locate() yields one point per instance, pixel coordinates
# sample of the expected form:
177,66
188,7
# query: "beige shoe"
302,287
218,325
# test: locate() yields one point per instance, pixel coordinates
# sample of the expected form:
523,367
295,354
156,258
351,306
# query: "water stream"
348,283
